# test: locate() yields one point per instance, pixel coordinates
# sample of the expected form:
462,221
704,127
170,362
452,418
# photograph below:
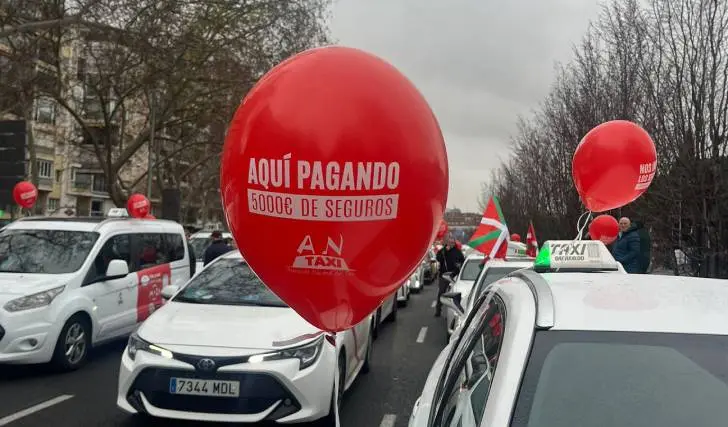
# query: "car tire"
366,367
75,337
393,315
377,321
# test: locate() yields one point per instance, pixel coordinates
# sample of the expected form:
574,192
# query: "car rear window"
624,379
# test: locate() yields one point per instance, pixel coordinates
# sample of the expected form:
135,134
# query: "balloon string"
581,227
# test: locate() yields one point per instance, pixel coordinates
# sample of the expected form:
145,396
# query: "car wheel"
366,367
73,344
377,321
393,315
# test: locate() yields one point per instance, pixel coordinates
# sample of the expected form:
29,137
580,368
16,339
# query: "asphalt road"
402,356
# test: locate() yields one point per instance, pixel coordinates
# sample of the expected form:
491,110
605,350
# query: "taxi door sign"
150,282
581,255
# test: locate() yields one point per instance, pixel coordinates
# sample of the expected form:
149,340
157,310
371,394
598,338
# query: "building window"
82,181
45,169
53,205
99,184
45,111
59,176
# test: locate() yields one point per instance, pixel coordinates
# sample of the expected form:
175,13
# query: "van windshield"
44,251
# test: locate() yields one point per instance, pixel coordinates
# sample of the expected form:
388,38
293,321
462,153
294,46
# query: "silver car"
576,341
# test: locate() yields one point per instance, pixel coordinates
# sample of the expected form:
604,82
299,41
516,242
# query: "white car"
387,312
417,280
403,294
575,341
67,284
199,242
224,348
462,284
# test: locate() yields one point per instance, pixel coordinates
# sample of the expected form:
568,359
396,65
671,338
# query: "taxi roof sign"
575,255
117,213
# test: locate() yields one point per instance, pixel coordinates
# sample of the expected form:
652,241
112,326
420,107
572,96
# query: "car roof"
207,234
510,262
475,256
95,224
637,302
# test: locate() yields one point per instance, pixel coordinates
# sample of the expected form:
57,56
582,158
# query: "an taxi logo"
145,280
573,251
330,258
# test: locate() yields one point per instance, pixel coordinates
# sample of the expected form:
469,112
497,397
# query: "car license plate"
195,387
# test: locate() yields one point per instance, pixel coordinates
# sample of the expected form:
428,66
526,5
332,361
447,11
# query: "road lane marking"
33,409
388,420
422,334
434,303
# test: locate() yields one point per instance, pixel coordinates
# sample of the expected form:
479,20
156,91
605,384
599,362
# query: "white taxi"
575,341
199,242
67,284
461,285
225,348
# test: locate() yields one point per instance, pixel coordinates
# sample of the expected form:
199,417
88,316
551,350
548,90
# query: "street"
403,354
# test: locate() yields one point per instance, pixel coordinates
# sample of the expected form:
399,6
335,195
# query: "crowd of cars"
197,349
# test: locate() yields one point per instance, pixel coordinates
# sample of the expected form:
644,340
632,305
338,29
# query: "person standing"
451,258
217,248
645,246
626,249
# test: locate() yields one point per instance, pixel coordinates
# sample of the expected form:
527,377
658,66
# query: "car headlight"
137,344
307,354
40,299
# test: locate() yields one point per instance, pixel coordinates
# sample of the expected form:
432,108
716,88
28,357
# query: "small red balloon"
442,230
354,182
604,228
25,194
515,237
613,165
138,206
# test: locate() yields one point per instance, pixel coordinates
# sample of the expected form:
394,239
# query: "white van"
67,284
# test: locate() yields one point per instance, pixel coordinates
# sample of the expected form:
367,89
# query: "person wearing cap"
217,248
451,258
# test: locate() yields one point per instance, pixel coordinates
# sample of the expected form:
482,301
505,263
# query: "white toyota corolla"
225,348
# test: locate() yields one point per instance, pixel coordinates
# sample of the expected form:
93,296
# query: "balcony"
45,184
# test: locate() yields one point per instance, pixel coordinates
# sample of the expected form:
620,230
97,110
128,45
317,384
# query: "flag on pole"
531,242
491,236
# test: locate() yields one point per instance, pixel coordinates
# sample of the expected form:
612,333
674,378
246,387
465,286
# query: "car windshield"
624,379
228,281
471,269
44,251
199,245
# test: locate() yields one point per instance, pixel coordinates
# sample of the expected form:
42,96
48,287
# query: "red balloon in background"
25,194
138,206
515,237
340,156
604,228
613,165
442,230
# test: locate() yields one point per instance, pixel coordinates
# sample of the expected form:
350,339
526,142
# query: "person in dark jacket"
451,258
218,248
645,246
626,249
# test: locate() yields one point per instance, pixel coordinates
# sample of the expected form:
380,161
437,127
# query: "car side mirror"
452,300
117,269
448,276
169,291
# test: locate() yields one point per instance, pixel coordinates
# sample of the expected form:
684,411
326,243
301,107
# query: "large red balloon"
442,230
613,165
515,237
336,153
138,206
604,228
25,194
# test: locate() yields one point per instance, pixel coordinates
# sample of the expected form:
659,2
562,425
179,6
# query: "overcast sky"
479,63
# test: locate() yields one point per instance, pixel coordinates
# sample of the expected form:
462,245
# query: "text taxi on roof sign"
575,255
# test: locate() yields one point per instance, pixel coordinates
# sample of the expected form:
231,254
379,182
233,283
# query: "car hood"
224,326
16,284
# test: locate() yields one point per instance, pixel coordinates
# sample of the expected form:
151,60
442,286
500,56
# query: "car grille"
258,392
